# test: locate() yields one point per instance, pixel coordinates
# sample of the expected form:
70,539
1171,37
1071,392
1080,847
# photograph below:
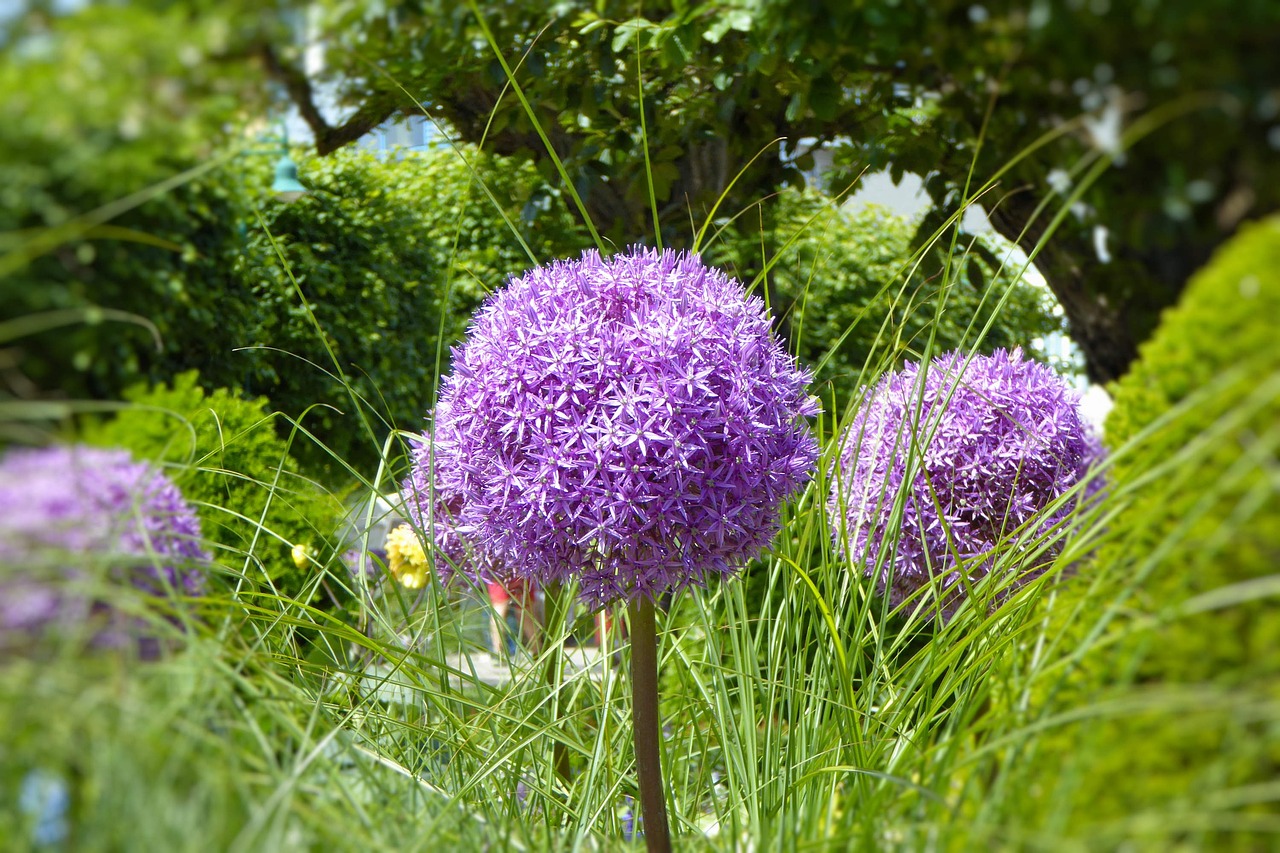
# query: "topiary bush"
1177,627
1207,384
392,257
239,474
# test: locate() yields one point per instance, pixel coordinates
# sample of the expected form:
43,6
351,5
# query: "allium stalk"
64,505
973,455
630,424
645,723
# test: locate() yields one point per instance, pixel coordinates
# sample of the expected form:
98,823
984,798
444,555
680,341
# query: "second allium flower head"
939,473
629,422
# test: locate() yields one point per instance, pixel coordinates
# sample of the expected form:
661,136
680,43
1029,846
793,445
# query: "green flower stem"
644,719
553,635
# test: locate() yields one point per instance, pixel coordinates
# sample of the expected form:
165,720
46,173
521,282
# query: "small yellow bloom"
302,555
405,557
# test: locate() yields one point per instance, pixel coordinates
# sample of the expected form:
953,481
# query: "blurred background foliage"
952,91
339,308
224,453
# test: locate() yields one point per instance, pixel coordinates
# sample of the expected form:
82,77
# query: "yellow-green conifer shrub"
1166,730
1202,407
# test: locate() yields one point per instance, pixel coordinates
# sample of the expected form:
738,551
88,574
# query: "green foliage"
363,318
108,101
487,217
1208,389
101,105
371,260
392,256
373,250
850,296
951,91
211,748
232,465
103,102
1174,697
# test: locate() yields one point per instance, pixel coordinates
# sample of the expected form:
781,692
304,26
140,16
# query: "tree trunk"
1102,323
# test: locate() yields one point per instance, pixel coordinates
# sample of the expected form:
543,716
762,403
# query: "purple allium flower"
62,505
451,554
985,455
364,564
630,422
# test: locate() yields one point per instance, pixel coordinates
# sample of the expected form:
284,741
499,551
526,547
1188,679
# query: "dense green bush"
844,297
392,255
1211,370
232,465
98,107
1177,691
363,318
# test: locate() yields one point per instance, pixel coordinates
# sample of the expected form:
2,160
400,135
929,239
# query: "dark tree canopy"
912,85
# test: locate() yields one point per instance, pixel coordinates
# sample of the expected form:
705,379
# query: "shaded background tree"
914,85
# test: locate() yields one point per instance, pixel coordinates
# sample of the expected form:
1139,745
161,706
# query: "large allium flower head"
64,505
629,422
979,451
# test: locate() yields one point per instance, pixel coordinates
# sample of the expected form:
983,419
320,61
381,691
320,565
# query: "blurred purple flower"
985,455
632,824
62,505
632,423
364,564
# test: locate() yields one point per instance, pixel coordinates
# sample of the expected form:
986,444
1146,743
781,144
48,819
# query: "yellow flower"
405,557
302,555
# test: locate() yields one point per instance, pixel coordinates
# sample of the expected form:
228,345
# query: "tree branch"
328,137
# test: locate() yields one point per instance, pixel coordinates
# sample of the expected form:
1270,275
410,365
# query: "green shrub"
1215,356
88,128
368,275
393,256
839,290
1175,694
230,462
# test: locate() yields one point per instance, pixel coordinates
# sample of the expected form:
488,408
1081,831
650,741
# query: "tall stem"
644,721
553,631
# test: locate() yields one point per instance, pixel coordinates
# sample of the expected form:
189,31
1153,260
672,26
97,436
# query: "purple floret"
63,505
452,554
986,456
629,422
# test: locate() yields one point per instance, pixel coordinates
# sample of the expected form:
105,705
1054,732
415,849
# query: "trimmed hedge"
1214,368
1175,704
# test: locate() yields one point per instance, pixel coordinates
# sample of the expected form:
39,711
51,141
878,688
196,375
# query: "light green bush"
848,298
232,465
1216,357
1171,713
